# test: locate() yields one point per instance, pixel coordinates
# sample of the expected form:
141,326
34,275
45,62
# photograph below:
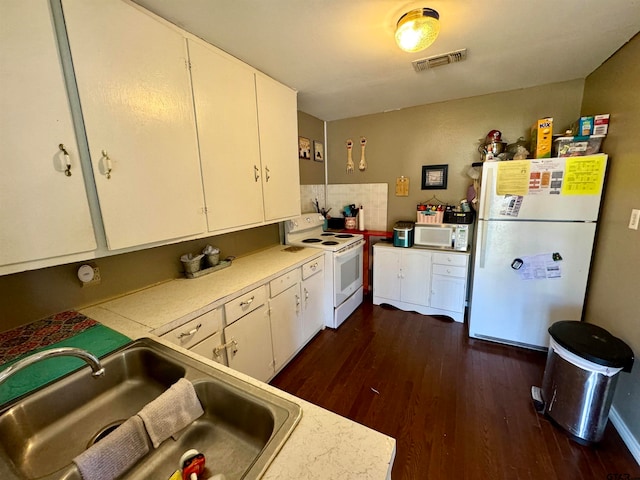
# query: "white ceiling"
341,57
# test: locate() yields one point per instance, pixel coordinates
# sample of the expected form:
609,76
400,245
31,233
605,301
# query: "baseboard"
630,441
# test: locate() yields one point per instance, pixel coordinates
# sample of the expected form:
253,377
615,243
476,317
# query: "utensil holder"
350,223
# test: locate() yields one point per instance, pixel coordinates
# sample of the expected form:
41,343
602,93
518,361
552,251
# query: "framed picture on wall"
434,177
304,148
318,151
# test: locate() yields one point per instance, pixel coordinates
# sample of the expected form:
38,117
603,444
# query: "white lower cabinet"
421,280
449,281
259,332
248,341
286,325
202,335
401,276
313,313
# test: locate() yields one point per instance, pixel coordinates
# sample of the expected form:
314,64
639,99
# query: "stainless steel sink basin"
241,431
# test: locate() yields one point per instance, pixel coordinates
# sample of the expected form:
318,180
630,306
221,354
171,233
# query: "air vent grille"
423,64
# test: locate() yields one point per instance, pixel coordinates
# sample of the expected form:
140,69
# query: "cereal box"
542,138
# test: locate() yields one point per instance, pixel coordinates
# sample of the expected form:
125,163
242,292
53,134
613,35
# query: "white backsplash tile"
308,194
372,196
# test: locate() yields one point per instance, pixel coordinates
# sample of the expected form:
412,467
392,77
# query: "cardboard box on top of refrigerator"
582,127
601,124
542,138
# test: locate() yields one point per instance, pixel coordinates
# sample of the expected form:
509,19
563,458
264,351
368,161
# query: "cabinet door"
286,325
209,348
416,273
448,293
252,352
224,93
43,212
313,305
278,122
135,94
386,273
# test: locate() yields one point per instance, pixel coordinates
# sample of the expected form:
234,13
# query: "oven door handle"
350,249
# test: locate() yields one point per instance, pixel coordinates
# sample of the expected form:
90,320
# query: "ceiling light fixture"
417,29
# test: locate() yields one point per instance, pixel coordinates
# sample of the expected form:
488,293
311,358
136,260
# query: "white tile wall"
308,194
372,197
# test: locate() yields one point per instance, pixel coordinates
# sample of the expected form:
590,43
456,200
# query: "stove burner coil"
311,240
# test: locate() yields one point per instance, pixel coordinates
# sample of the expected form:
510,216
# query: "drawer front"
449,270
450,259
246,303
196,330
314,266
280,284
207,348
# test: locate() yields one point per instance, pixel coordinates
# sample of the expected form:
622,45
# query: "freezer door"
507,308
545,199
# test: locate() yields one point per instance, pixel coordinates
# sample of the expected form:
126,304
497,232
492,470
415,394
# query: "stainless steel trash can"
580,377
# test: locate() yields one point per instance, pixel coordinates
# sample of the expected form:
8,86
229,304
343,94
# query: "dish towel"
172,411
116,453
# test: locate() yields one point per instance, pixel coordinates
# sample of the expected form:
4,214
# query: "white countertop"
323,445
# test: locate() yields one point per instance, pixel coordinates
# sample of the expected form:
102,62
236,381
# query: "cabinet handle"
314,266
232,344
107,164
248,302
67,160
190,332
255,173
266,171
306,294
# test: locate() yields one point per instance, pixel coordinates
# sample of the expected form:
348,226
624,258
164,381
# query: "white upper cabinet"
247,131
278,125
44,212
135,94
224,93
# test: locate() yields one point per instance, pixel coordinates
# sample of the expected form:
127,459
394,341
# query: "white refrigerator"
533,246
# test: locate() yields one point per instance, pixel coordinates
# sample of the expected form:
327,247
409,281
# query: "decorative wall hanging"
318,151
362,166
434,177
350,164
304,148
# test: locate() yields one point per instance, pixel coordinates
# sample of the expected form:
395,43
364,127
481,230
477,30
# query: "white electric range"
343,263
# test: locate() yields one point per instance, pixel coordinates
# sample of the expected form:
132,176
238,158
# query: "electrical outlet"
635,218
89,274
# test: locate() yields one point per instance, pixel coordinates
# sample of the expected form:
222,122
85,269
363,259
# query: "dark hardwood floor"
458,408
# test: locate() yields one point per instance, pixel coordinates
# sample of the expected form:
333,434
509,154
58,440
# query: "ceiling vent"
439,60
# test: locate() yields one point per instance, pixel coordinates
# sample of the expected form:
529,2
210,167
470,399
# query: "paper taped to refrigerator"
540,267
584,175
513,178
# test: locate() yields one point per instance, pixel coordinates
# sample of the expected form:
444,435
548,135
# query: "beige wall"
29,296
613,293
311,172
401,142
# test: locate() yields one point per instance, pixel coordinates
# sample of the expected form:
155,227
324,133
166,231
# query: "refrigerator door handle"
482,233
485,194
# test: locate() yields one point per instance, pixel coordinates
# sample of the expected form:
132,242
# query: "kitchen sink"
240,433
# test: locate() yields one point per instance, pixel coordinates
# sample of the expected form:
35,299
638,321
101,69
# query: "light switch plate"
635,218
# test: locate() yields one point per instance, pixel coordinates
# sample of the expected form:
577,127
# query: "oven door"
347,273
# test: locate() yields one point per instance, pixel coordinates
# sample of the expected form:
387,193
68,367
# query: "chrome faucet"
92,361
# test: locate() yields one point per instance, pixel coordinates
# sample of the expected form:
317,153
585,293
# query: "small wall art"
318,151
304,148
434,177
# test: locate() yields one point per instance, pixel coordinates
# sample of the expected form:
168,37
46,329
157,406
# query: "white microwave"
443,235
